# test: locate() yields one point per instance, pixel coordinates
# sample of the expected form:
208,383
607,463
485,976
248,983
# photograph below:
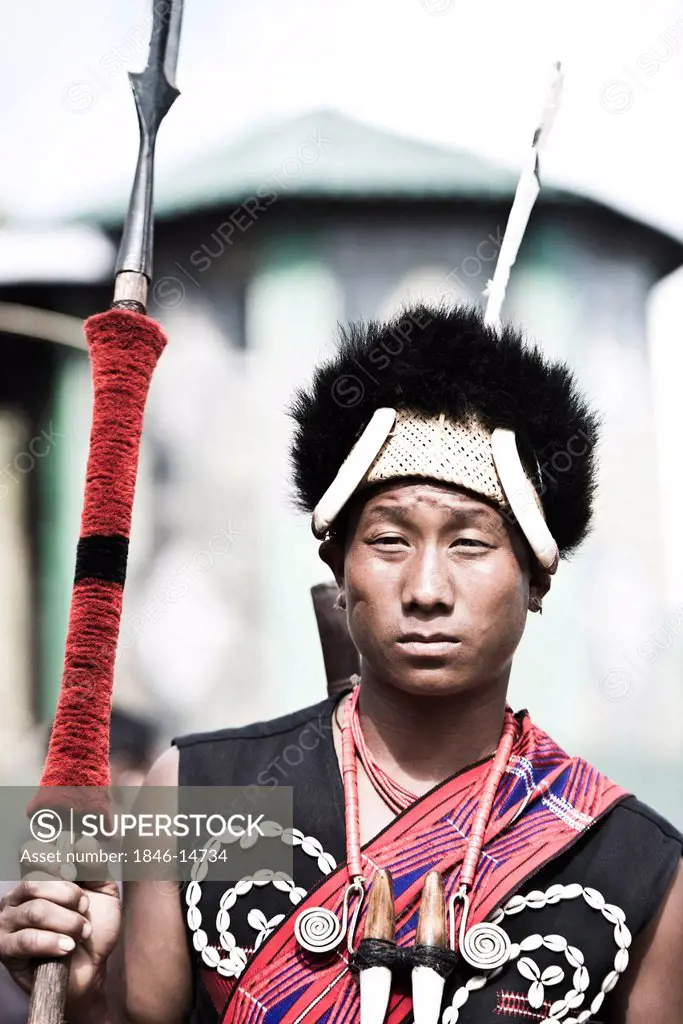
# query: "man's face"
436,586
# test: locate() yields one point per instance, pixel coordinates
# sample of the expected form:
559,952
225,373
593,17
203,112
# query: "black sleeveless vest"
629,857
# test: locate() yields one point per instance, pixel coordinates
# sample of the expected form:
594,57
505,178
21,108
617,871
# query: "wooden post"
339,654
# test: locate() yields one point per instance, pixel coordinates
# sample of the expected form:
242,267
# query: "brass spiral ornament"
318,930
485,946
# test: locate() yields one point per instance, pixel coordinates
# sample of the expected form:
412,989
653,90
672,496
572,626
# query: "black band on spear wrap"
102,558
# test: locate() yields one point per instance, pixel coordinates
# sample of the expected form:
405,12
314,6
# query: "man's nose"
429,581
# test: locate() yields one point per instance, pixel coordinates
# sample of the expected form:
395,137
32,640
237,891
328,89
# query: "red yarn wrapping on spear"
124,350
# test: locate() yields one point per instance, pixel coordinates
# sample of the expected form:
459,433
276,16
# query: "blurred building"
260,251
49,276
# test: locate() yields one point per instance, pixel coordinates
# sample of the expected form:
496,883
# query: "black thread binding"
380,953
439,958
102,558
383,953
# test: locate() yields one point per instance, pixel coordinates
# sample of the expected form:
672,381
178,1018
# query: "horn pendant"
428,984
375,981
375,989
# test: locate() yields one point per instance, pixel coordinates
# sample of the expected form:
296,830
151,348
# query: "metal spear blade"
155,91
155,88
173,42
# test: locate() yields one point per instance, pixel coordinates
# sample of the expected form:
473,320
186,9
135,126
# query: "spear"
124,346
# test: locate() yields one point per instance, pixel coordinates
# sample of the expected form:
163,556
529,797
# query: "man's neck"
420,741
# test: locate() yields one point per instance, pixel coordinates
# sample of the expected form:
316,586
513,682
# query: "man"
450,860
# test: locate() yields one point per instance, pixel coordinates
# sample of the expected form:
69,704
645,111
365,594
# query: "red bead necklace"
398,798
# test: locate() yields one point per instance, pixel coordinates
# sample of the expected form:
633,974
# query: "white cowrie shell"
211,956
284,883
227,969
271,829
476,982
202,870
594,898
535,996
621,961
528,969
610,981
194,918
311,846
238,956
228,899
193,894
573,998
552,975
460,998
597,1002
257,919
613,913
581,979
263,876
554,893
574,956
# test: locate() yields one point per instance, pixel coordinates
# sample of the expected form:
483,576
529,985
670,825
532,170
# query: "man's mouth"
429,644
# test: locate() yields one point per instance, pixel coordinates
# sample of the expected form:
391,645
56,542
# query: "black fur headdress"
447,360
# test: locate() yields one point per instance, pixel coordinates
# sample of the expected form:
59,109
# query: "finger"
91,869
46,916
66,894
30,942
45,858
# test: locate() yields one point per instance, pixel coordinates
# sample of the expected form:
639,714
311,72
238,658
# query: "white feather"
526,194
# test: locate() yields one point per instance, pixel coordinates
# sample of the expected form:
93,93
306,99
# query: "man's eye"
384,541
471,542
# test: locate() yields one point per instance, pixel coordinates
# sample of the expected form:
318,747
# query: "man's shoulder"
634,816
291,722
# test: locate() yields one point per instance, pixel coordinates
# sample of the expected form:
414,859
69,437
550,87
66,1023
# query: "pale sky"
458,72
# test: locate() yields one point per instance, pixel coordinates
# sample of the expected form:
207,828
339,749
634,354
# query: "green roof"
322,155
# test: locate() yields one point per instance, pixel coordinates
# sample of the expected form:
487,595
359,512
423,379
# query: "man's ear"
332,554
539,585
